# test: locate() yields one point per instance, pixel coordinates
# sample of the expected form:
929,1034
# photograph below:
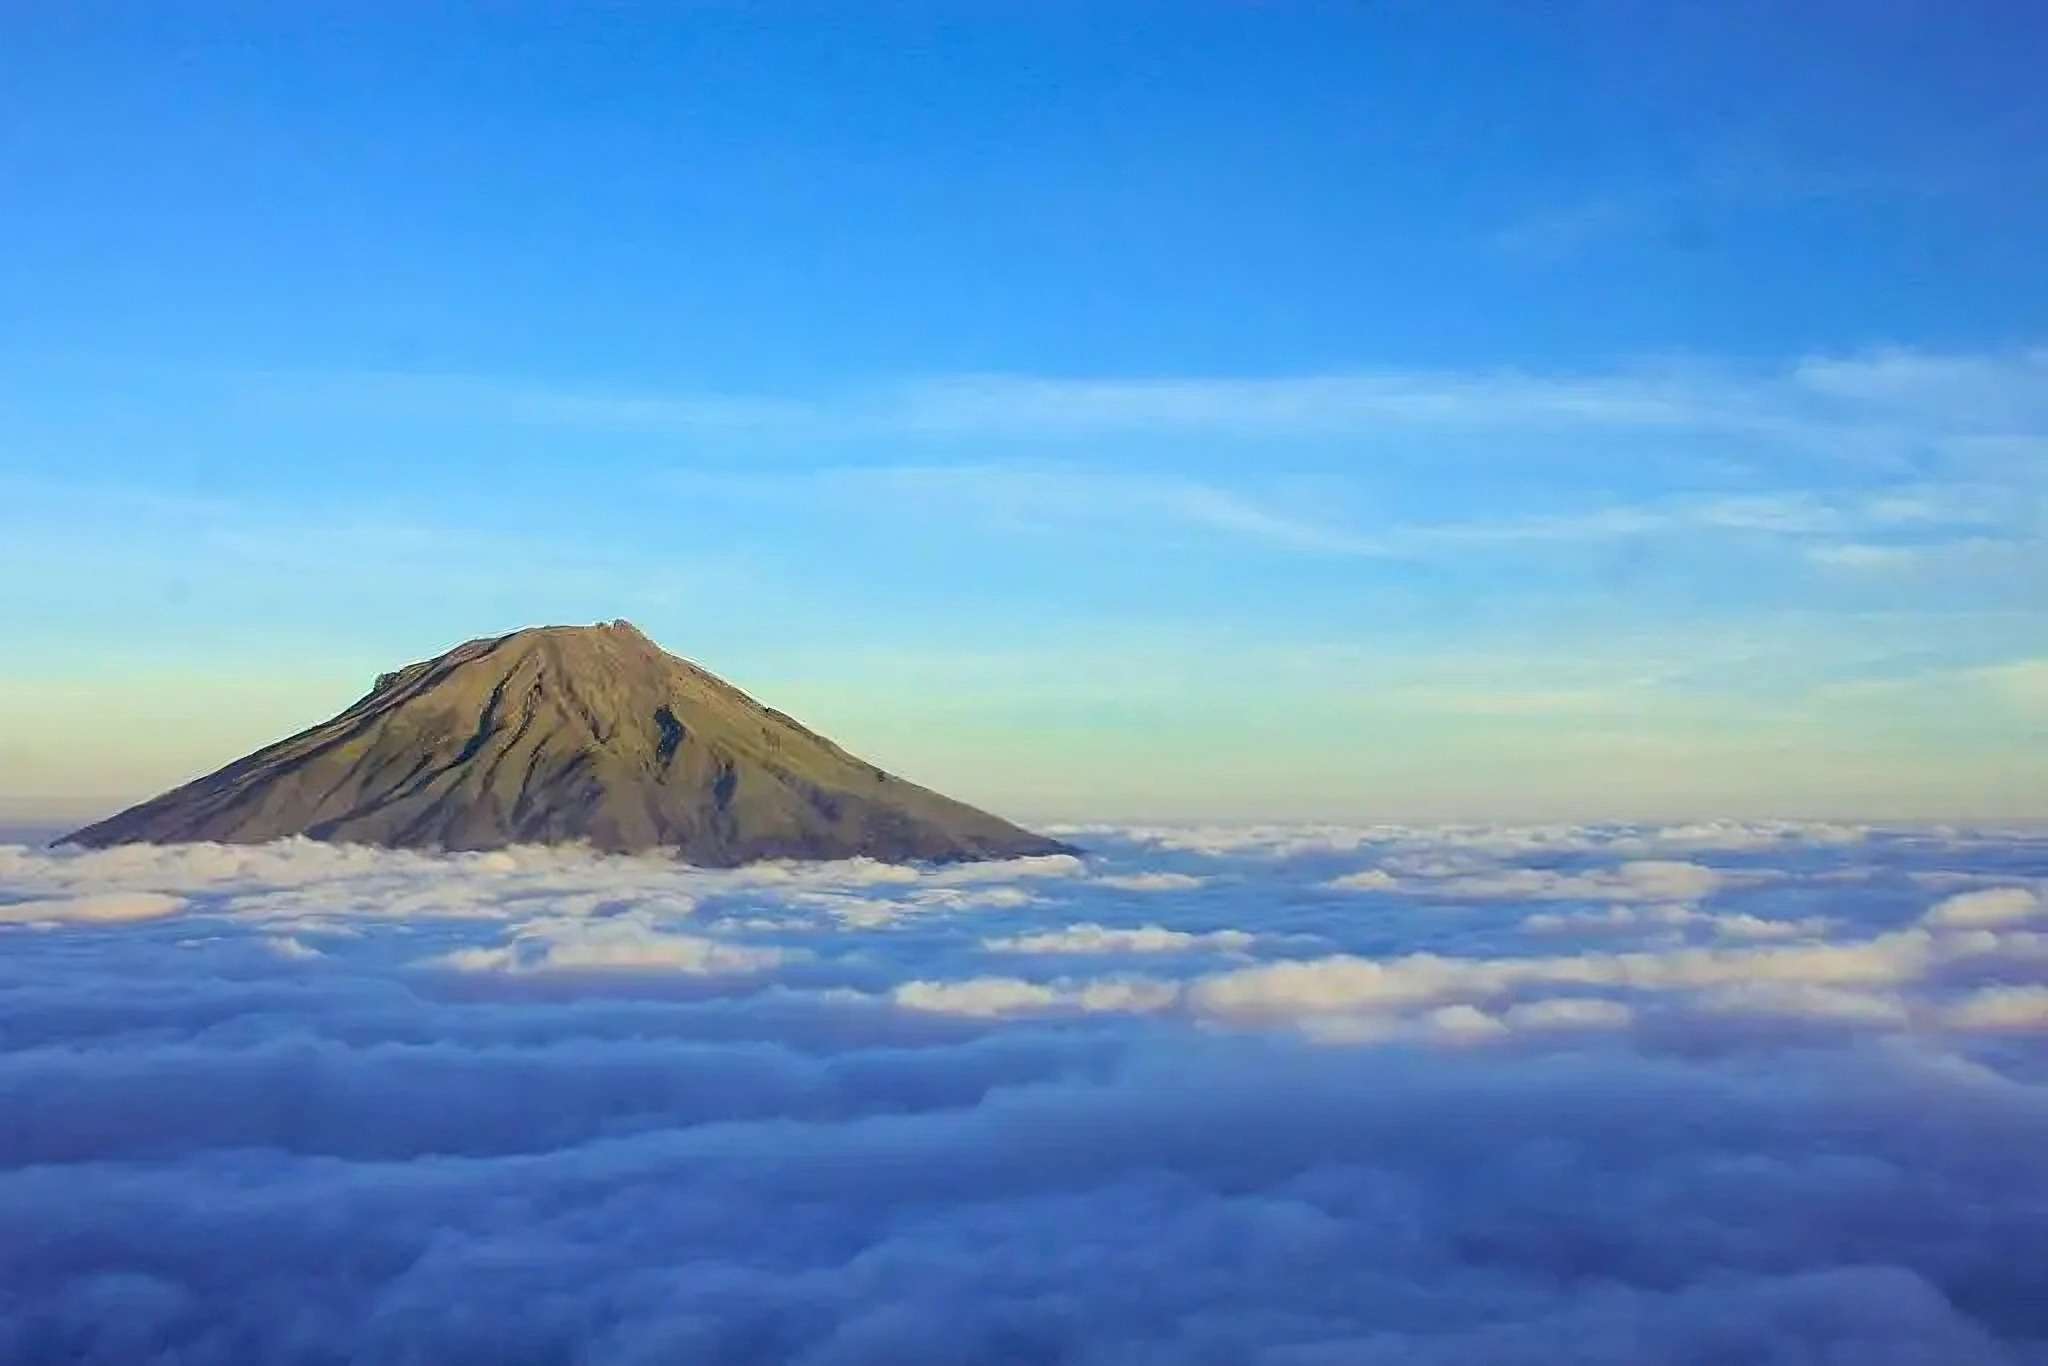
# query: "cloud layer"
1270,1094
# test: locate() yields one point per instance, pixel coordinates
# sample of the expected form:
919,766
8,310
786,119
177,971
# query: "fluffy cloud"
857,912
2002,1008
1613,919
1629,919
1466,1023
1808,1001
1505,841
994,996
1092,938
1151,882
624,944
1347,982
1992,906
1567,1012
546,1105
1469,871
1637,880
1746,926
1365,880
101,906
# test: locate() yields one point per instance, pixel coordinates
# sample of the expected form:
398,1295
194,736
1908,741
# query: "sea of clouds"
1627,1094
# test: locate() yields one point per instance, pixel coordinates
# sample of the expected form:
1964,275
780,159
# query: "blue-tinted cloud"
1204,1095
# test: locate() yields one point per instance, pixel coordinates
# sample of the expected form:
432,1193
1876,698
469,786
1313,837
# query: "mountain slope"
564,733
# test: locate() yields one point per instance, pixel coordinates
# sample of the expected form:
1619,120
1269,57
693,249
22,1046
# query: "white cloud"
1807,1000
1089,937
711,1147
1857,557
862,912
1569,1012
631,944
2001,1008
1365,880
1854,399
1305,405
992,997
1745,926
1637,880
980,996
1736,836
978,898
1003,870
1991,906
855,912
1613,919
1963,390
1151,882
1266,841
1629,919
1410,843
1834,530
1464,1024
102,907
1346,982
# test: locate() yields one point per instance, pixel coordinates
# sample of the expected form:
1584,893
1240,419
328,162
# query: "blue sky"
1277,410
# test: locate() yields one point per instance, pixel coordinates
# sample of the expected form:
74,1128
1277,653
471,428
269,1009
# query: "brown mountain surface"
563,733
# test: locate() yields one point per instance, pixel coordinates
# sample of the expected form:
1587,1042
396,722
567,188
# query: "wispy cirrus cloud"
1829,397
1889,461
2016,687
1940,520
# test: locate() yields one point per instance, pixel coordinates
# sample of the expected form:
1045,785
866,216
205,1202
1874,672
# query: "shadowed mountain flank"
563,733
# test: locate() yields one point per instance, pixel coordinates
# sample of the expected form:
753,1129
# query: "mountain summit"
563,733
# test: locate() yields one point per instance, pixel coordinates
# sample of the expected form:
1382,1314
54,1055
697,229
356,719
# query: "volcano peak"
556,734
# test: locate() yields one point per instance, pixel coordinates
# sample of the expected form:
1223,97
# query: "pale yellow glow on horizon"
1965,745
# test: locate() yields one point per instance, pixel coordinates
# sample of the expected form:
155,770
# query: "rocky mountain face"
565,733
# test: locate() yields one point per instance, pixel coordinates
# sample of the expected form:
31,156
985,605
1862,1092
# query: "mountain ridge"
555,734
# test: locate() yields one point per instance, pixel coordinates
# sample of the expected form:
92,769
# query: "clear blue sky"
1299,410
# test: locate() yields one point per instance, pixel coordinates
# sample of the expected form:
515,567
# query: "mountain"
564,733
